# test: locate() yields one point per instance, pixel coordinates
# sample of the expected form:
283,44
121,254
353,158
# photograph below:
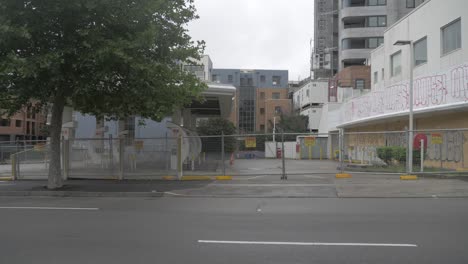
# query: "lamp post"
410,139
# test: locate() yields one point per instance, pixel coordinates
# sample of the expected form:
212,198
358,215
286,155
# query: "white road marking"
305,243
49,208
270,185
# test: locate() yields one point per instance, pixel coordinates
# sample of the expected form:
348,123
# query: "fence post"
283,176
111,155
65,157
422,155
121,157
407,151
13,166
179,157
341,140
222,153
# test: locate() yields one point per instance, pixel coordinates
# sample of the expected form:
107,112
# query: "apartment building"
27,124
362,24
261,97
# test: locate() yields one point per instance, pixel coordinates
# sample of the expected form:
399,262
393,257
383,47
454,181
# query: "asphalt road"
169,230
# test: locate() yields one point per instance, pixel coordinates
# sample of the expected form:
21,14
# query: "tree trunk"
55,171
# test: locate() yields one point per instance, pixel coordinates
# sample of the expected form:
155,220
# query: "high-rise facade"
324,60
362,24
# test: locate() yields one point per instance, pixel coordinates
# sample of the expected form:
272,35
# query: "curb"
343,176
80,194
6,179
408,177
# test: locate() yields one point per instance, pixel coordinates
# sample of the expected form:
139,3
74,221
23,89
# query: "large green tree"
103,57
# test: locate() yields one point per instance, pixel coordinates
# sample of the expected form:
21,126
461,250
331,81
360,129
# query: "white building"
437,30
309,100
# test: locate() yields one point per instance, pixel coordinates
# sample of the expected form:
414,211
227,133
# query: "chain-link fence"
29,160
434,151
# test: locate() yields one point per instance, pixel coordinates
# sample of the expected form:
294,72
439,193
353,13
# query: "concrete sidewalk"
304,185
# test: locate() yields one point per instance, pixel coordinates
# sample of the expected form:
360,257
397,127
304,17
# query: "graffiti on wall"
451,148
432,90
459,77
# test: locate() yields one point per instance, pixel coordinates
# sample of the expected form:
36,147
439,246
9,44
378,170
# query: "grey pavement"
166,230
305,185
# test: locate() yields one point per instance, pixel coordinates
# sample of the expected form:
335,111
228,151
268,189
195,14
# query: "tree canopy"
102,57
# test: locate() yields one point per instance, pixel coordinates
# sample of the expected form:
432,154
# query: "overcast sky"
256,34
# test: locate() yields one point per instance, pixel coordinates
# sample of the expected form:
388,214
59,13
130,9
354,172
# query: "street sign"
250,142
309,141
436,139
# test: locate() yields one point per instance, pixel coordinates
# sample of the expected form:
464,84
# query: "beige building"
271,104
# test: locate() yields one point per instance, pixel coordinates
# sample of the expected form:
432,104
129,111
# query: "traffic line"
272,185
305,243
49,208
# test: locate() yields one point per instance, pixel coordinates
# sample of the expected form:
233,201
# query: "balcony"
363,11
362,32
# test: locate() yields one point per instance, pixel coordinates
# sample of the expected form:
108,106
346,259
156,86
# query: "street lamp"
410,141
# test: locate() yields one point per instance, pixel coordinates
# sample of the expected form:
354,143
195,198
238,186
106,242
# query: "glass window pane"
395,61
382,21
373,2
372,21
451,37
382,2
420,52
373,43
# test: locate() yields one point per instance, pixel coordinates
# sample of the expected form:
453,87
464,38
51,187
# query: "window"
360,84
33,128
275,96
262,111
377,2
298,99
249,81
451,37
383,73
262,127
362,43
420,51
373,43
376,77
377,21
230,79
410,3
276,80
307,93
214,77
395,63
5,122
27,127
262,78
262,95
18,123
278,110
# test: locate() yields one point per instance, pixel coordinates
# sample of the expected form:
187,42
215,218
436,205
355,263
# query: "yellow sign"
436,139
250,142
309,141
138,144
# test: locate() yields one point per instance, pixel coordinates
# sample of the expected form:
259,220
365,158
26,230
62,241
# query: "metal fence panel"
148,157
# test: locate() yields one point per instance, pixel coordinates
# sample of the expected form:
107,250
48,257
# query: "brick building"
24,125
